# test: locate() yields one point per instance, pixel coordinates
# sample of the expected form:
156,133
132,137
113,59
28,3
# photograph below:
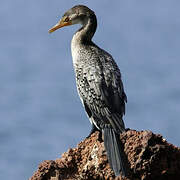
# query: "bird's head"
76,15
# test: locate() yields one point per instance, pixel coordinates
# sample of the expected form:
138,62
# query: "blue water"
41,114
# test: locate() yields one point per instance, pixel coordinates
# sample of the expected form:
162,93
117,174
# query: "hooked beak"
60,24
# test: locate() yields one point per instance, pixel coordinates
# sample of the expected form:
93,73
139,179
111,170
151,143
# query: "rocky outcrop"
148,157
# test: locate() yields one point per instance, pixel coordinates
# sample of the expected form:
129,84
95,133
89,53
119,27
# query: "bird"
99,83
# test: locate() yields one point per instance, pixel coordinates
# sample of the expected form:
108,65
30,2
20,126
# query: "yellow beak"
60,24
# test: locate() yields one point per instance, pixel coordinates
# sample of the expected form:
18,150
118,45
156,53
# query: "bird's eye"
66,19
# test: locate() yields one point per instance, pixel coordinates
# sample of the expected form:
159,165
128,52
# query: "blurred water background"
41,114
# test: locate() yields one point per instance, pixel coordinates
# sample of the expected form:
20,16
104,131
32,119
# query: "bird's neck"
81,40
86,32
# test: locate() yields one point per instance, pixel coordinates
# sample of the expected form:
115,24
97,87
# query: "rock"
148,157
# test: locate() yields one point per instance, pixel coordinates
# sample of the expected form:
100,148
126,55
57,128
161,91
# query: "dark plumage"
98,81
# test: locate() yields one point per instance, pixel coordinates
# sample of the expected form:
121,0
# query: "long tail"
114,152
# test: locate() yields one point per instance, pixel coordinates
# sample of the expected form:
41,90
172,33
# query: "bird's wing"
116,95
101,90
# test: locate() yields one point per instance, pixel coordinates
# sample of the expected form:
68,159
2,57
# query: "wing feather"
101,90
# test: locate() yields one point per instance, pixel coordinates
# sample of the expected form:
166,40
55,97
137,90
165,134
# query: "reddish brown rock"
148,156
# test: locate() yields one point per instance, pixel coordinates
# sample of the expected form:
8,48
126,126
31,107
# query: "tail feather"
113,149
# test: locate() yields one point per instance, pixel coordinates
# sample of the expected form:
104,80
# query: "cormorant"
99,83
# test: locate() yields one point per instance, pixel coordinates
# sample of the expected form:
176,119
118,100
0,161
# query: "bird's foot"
127,129
93,129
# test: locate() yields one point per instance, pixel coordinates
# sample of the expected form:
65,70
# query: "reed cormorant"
99,83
